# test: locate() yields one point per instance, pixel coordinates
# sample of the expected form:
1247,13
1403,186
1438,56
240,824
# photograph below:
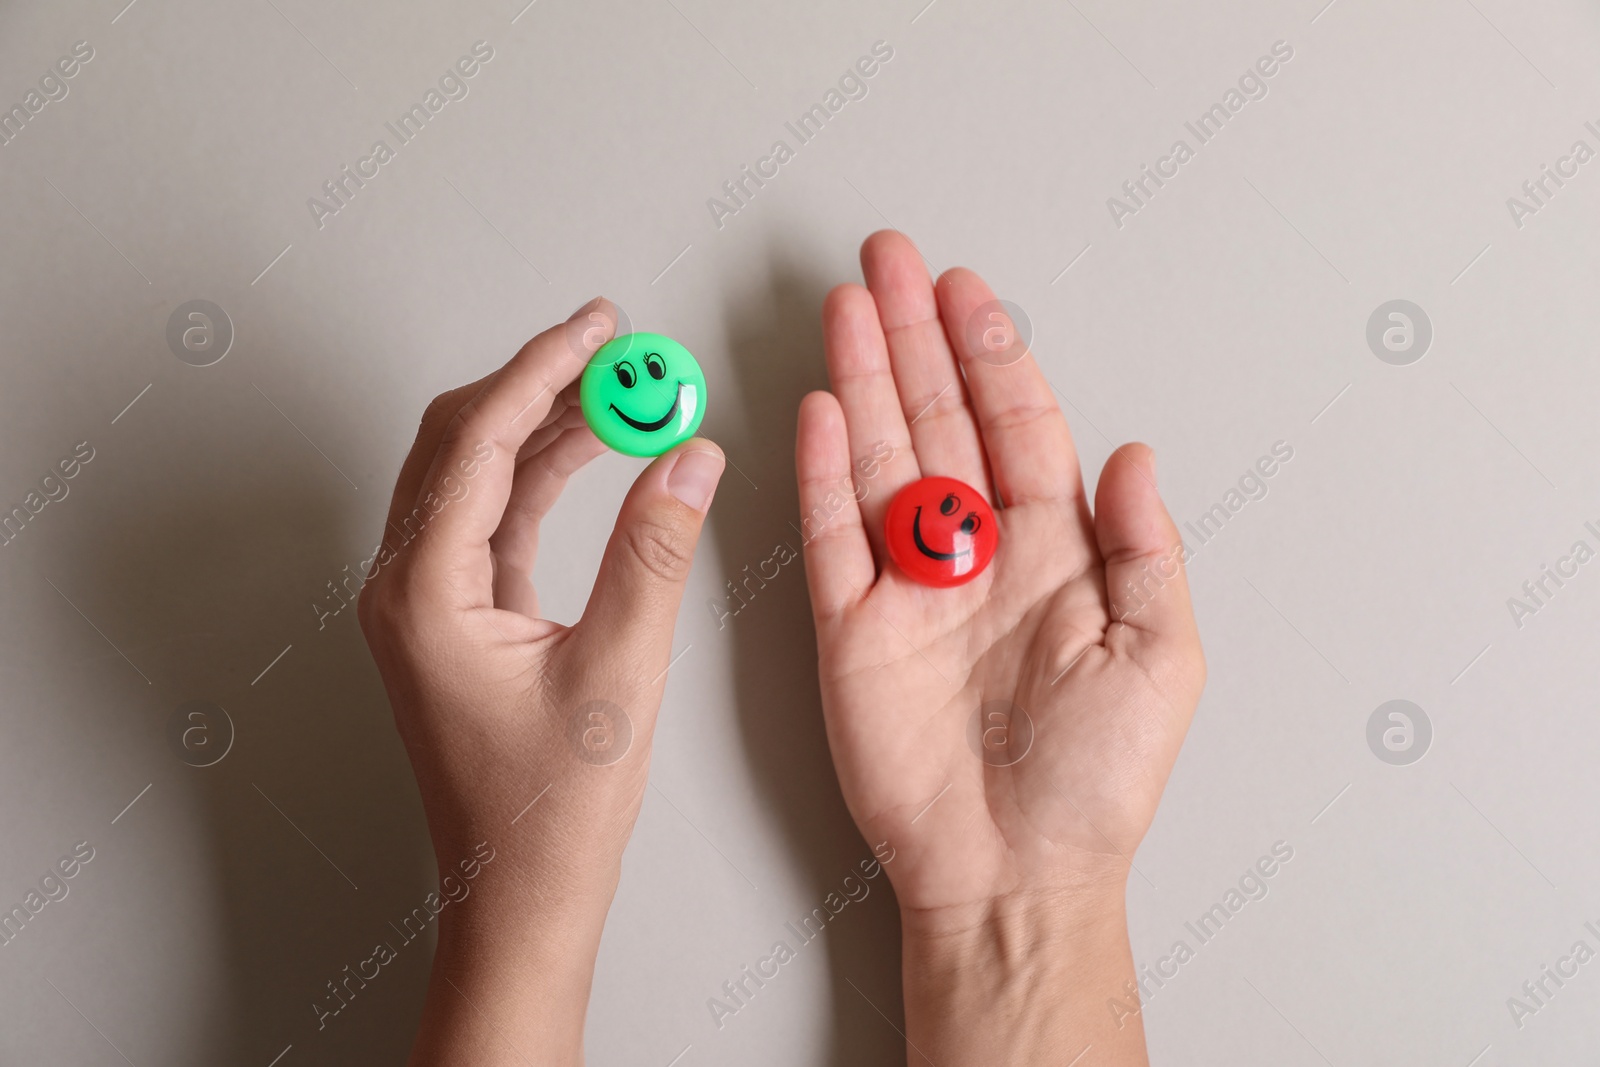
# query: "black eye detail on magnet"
950,505
625,373
970,524
656,367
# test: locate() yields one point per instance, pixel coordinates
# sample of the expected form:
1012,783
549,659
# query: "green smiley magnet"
643,393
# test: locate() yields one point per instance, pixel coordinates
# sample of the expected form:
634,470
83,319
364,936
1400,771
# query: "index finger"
467,487
408,484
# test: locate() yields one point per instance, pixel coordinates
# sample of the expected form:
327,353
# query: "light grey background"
1227,315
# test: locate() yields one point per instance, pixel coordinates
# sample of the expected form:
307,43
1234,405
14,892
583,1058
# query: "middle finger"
933,397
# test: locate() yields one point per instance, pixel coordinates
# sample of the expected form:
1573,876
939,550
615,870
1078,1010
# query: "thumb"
1146,581
635,601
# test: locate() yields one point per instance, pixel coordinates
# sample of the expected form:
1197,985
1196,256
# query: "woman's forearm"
509,990
1021,983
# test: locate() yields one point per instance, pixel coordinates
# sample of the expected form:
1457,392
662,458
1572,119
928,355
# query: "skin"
1011,880
485,692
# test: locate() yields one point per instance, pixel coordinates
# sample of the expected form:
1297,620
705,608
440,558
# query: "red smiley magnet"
941,532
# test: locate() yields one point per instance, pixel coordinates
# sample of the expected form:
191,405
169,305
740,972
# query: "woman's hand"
526,735
1010,738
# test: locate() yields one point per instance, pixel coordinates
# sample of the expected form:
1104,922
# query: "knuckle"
390,616
372,605
468,428
663,551
457,425
368,613
1020,416
945,402
439,411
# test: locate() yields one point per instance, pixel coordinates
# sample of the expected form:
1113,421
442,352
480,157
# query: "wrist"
1000,949
513,995
1057,910
512,972
1022,979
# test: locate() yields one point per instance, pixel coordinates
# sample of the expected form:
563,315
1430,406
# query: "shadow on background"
775,335
314,831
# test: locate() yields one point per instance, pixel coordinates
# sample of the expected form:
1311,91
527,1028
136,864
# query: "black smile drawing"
652,427
922,546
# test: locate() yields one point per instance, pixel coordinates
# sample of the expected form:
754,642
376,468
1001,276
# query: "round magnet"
642,393
941,532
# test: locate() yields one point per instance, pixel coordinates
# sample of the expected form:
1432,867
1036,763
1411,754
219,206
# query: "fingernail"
585,306
1154,478
694,477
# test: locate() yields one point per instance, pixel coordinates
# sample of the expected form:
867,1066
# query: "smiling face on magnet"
643,393
941,532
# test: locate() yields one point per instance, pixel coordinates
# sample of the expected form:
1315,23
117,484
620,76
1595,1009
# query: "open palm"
1010,736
